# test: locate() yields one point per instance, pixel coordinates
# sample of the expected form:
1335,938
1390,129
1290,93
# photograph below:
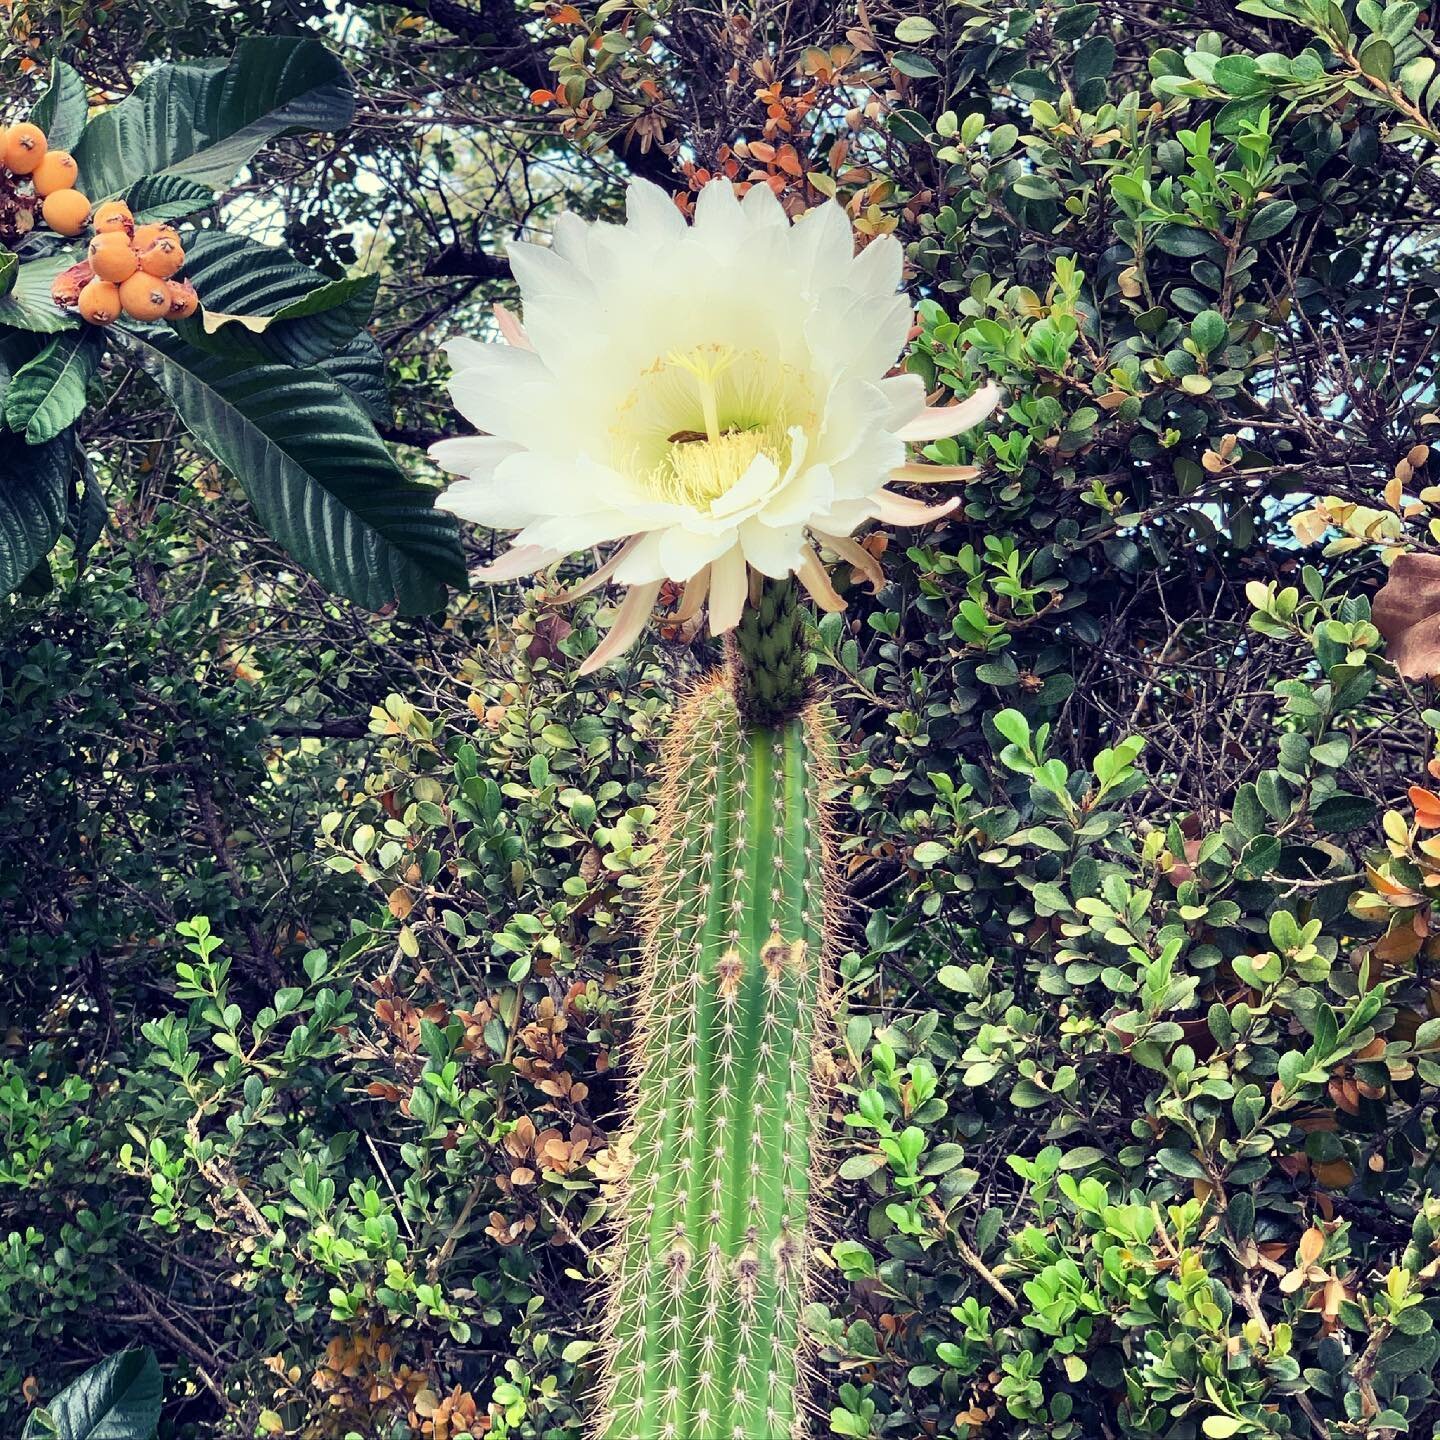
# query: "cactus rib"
710,1257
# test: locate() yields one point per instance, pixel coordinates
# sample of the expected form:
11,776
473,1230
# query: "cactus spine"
711,1255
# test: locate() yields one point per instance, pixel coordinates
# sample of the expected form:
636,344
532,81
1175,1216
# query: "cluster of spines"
711,1258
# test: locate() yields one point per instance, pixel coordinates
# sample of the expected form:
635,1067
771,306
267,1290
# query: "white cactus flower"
715,397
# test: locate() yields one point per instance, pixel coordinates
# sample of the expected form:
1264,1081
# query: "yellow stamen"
699,472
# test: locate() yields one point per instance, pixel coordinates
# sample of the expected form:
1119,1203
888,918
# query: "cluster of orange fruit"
131,270
25,153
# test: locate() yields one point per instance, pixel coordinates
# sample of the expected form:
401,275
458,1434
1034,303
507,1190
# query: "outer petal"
851,333
876,269
498,388
906,394
937,422
774,550
651,212
857,556
763,210
719,226
629,622
683,552
727,591
901,510
693,597
517,561
935,474
510,327
823,244
598,577
816,579
471,454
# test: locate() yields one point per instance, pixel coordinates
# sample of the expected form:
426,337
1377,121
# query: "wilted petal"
856,555
1406,611
816,579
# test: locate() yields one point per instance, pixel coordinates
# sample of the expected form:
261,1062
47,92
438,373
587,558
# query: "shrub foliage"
320,926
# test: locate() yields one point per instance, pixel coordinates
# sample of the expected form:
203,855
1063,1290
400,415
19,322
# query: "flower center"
697,472
700,418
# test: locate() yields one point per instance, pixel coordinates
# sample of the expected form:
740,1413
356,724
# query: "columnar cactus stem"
711,1256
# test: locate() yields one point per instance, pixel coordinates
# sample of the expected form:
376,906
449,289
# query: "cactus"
710,1261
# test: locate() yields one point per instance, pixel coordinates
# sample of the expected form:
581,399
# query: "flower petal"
901,510
814,577
517,561
471,455
935,474
727,591
773,550
857,556
651,212
629,622
510,327
597,577
684,551
693,596
938,422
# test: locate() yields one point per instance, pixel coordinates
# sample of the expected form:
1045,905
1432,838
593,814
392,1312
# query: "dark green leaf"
118,1399
1094,60
61,111
1270,220
167,197
34,489
1187,241
915,65
47,395
360,368
295,314
1340,814
85,517
205,121
28,306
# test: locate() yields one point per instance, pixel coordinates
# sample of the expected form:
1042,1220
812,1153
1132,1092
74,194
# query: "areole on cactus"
717,401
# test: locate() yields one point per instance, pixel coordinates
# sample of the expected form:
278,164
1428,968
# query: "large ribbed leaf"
61,111
118,1399
360,368
28,306
205,121
46,395
34,492
321,479
260,303
167,197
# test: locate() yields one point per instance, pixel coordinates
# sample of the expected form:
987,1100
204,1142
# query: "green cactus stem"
712,1253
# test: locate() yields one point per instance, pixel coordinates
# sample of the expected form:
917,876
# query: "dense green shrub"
1135,1095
